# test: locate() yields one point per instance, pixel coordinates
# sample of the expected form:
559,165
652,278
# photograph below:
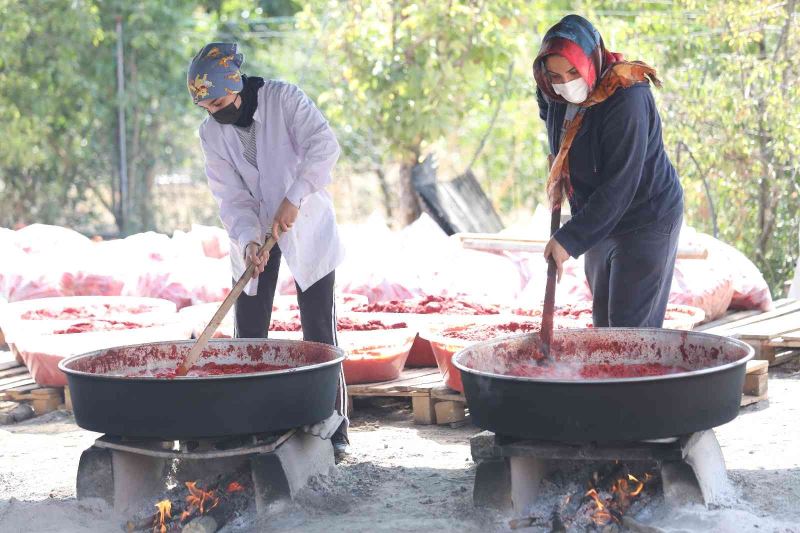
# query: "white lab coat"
296,151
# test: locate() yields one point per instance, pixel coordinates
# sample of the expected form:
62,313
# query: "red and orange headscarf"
575,39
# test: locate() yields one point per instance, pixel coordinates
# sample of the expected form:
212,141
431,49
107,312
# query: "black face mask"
228,114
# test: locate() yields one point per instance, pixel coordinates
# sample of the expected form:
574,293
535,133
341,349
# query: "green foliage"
397,79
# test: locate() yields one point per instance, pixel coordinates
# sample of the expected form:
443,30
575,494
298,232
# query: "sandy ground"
402,477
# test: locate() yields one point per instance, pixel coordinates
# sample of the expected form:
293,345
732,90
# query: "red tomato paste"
342,324
213,369
92,311
98,325
595,371
583,312
482,332
429,305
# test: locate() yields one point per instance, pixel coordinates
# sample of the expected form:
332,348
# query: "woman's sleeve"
623,149
238,210
314,141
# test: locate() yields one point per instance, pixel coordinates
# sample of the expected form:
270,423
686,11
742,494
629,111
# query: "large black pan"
107,399
632,408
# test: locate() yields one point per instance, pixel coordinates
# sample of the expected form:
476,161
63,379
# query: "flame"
233,486
601,515
164,511
639,487
622,493
198,500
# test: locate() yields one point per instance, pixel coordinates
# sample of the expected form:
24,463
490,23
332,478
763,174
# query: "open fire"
221,500
612,505
603,504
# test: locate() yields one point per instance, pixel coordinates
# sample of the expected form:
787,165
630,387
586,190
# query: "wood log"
228,506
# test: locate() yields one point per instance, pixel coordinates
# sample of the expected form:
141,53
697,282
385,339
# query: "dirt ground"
403,477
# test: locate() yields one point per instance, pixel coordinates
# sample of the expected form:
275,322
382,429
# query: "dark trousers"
317,311
630,275
317,314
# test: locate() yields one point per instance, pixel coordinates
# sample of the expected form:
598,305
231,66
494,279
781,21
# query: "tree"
407,74
731,81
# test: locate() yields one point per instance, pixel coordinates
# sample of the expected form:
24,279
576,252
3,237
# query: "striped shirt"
248,137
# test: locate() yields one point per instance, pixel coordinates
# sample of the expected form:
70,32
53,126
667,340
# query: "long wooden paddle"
216,320
546,334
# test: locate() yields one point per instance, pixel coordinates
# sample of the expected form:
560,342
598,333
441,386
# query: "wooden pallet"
756,382
17,385
431,401
774,335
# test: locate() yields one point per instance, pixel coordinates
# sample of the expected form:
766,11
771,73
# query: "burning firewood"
220,501
201,524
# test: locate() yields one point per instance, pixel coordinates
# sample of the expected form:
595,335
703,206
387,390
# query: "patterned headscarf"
214,72
575,39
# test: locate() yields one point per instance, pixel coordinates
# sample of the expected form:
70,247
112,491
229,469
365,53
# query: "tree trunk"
387,195
410,208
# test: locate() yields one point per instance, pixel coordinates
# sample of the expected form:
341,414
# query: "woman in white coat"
269,153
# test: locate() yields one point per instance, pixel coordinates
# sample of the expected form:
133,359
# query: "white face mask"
574,91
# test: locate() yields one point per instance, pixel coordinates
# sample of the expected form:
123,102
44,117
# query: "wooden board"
22,386
727,319
444,393
767,329
431,401
412,382
14,371
16,381
755,366
747,318
784,357
756,384
492,242
750,400
790,339
5,365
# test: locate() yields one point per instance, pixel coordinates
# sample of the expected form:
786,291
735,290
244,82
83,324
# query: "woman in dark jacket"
626,200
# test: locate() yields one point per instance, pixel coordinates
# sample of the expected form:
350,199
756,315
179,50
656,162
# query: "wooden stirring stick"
216,320
546,334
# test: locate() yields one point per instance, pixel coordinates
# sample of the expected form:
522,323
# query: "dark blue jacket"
620,173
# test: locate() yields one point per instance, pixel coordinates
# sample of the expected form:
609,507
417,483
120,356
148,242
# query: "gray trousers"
630,275
317,315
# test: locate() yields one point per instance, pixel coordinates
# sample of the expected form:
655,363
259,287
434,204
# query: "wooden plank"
17,370
757,367
790,339
791,307
727,319
46,400
784,357
19,393
767,329
10,364
48,392
756,384
449,412
416,382
10,383
749,400
423,408
493,242
444,393
68,400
